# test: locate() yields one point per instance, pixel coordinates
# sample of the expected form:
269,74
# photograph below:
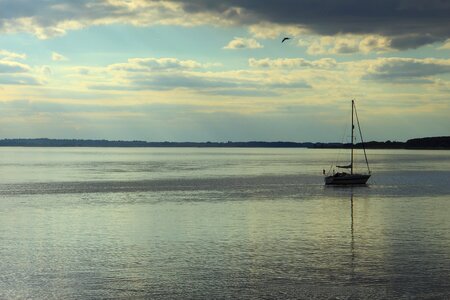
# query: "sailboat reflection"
352,243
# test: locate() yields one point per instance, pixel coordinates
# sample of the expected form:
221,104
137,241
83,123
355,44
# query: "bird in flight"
286,38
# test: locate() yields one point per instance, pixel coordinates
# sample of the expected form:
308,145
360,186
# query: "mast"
351,155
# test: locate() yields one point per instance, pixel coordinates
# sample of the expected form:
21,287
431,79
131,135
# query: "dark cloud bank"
410,23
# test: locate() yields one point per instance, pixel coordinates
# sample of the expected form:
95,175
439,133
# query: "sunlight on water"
221,223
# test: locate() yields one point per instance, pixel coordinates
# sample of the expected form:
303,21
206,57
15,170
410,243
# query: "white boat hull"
346,179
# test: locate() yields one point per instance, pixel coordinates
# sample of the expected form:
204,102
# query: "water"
92,223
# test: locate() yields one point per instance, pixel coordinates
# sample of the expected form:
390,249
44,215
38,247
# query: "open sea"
218,223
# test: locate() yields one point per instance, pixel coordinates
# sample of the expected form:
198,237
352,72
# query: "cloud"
13,72
244,93
410,41
373,43
446,45
7,55
242,43
291,63
265,30
155,64
348,44
206,83
169,74
52,18
406,70
159,74
291,78
19,79
408,24
173,81
58,57
300,84
7,66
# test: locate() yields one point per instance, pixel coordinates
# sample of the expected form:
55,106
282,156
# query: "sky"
202,70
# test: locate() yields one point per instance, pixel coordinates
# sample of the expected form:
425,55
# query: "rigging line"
362,141
340,149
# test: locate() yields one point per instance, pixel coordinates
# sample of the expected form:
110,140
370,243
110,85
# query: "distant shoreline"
426,143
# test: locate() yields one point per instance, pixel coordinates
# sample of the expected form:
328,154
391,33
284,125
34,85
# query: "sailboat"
344,178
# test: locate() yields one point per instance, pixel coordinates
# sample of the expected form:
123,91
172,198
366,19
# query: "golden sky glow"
189,70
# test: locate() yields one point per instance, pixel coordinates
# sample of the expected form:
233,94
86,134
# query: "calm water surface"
186,223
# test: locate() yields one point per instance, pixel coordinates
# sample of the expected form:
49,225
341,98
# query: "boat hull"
347,179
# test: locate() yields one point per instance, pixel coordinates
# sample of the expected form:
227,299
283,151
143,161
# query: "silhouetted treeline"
44,142
442,142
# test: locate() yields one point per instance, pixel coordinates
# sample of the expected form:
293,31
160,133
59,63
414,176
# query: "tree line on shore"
441,142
